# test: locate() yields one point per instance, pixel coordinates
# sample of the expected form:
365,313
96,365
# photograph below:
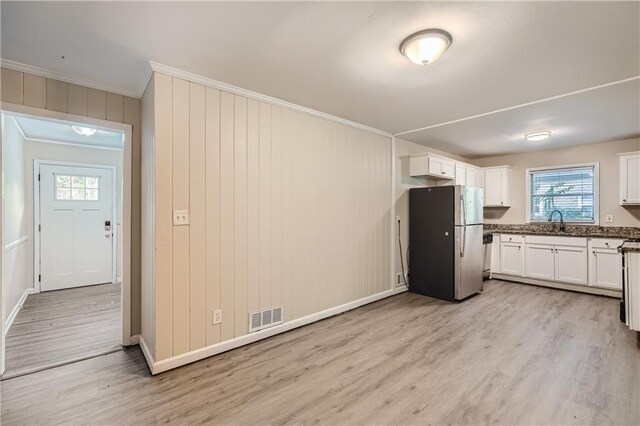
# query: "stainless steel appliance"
445,239
487,240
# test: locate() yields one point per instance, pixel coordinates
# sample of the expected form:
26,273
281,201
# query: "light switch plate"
180,217
608,218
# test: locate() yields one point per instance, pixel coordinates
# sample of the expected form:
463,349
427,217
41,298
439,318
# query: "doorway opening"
66,239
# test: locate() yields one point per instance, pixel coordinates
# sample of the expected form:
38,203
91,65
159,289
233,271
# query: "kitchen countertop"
592,231
630,247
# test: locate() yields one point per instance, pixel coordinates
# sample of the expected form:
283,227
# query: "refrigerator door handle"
464,225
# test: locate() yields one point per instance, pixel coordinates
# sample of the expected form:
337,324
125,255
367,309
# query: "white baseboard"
147,355
14,312
563,286
189,357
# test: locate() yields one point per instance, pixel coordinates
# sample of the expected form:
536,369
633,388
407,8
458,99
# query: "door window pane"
77,188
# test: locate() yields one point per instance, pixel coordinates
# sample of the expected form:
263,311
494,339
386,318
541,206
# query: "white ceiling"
343,59
59,132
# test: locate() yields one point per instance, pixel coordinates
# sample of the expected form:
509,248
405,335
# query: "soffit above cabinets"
343,58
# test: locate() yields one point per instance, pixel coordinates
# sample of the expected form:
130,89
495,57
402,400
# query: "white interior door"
77,226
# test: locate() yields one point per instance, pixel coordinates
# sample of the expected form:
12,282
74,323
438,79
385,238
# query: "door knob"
107,235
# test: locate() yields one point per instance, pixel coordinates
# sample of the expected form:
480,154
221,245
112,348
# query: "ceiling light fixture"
426,46
537,136
84,131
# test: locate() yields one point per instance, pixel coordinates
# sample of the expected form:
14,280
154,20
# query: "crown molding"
54,75
229,88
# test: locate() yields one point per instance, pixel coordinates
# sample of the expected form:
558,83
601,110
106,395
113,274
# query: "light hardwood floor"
516,354
62,325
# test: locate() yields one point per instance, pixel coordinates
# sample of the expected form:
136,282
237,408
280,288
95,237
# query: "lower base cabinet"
605,264
571,265
580,261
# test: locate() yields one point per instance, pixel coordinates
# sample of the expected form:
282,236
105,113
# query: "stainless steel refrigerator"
445,241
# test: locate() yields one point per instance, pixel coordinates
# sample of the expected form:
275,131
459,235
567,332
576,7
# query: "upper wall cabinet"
431,165
630,178
497,186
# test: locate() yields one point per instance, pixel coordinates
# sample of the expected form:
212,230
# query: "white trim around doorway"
126,129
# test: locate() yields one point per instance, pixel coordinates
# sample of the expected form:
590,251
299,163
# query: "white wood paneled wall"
286,209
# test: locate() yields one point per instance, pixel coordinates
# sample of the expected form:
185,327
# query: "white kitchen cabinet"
473,176
431,165
630,178
511,254
497,186
540,261
461,174
571,264
605,263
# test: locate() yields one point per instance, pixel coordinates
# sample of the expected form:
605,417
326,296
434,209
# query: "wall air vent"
265,319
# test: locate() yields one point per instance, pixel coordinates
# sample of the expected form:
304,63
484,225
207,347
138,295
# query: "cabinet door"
448,169
418,166
630,179
571,264
539,261
510,258
493,188
435,166
605,268
461,175
470,176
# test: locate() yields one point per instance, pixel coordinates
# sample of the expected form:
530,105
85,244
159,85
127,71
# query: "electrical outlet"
180,217
217,316
609,218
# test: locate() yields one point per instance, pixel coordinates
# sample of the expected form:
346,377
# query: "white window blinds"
570,190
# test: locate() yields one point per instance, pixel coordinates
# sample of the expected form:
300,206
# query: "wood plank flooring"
516,354
58,326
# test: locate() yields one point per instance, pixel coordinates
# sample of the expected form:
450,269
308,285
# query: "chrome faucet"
561,219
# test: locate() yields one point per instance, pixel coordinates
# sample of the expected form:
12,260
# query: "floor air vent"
265,319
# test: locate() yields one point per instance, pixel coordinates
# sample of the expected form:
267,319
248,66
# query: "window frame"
71,188
596,191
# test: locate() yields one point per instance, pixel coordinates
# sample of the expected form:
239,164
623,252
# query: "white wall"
72,154
603,153
16,276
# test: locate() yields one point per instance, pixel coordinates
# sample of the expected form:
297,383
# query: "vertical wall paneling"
212,212
115,107
276,206
265,205
12,87
97,104
34,91
253,203
287,209
227,214
180,200
164,220
77,99
240,217
197,227
57,95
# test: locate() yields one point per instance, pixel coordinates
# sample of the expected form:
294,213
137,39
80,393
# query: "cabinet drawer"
607,243
557,241
509,238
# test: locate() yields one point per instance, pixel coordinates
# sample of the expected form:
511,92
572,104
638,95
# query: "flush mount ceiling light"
426,46
537,136
84,131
